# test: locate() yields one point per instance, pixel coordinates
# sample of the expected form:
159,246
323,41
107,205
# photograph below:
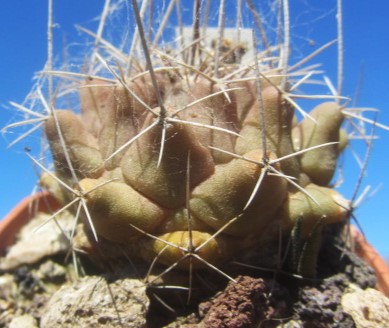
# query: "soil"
47,293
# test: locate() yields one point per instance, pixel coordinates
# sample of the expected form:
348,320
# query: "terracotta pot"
21,214
371,257
44,202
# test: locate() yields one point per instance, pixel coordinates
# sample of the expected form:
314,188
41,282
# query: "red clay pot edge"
11,224
367,252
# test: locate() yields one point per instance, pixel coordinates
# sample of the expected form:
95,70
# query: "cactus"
190,155
169,161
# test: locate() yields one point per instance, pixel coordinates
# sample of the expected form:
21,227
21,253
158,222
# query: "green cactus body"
83,150
320,164
115,205
194,152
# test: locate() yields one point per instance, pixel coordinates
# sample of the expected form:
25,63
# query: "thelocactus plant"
188,154
208,161
147,169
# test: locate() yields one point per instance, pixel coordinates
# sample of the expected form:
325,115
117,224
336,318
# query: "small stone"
6,286
25,321
291,324
319,305
369,308
37,240
51,271
245,303
93,301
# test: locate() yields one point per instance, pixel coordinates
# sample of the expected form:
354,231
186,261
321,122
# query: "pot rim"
24,211
370,255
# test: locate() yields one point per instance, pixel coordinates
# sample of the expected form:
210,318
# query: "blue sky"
366,38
